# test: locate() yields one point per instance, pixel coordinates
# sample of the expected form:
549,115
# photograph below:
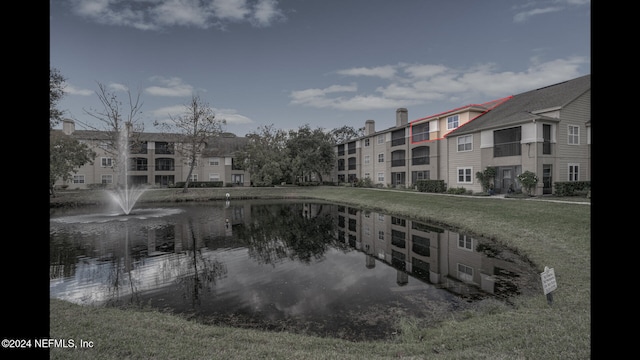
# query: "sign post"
549,284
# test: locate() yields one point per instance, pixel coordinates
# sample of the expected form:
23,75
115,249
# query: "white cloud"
157,14
231,116
525,15
426,83
384,72
171,87
118,87
72,90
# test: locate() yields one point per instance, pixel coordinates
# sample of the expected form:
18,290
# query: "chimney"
68,126
369,127
402,117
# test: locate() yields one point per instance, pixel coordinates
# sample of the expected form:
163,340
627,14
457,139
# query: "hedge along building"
539,131
154,160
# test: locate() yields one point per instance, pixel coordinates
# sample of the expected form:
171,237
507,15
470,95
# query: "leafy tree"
66,156
528,180
345,133
198,125
56,92
486,178
265,156
311,152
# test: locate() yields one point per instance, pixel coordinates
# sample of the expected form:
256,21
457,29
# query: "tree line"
272,156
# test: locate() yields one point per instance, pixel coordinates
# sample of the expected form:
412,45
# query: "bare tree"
114,119
198,126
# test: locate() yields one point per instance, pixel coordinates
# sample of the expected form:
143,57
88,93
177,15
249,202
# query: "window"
464,175
574,135
352,163
381,177
380,235
546,139
398,221
366,142
163,147
452,122
106,162
420,132
398,238
574,170
138,164
340,164
164,164
420,156
367,175
421,245
107,179
465,242
381,157
78,179
214,177
214,161
351,147
341,150
507,142
381,139
397,158
465,273
397,137
419,175
465,143
139,147
367,159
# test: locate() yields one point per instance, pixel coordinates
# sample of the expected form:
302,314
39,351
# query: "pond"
307,267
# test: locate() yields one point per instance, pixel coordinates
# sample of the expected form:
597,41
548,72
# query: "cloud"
118,87
231,116
159,14
384,72
72,90
525,15
171,87
425,83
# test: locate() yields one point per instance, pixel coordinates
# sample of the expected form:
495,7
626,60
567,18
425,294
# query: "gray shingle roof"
523,107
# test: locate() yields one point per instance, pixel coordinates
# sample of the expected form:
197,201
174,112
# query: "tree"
198,125
265,156
528,180
311,152
114,118
56,92
345,133
486,178
66,156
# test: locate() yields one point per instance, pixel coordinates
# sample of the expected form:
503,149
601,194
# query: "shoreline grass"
548,233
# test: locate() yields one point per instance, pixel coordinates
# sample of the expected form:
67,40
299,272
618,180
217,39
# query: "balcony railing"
507,149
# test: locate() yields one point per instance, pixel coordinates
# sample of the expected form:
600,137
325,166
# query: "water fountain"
125,195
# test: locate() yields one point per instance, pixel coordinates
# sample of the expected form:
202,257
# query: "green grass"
548,233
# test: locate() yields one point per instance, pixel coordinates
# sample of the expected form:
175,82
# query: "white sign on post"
548,277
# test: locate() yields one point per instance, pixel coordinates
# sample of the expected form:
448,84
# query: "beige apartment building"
546,131
155,161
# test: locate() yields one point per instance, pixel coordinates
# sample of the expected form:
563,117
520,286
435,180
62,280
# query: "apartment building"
155,161
546,131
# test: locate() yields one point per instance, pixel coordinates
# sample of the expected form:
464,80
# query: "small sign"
548,277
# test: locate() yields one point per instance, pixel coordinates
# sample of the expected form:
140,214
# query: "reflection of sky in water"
110,260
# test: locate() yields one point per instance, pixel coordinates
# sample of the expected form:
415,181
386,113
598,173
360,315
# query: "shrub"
432,186
572,188
528,181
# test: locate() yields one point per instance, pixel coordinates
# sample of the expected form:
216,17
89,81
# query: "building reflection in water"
199,254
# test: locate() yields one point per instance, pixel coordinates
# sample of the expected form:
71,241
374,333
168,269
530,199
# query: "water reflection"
309,267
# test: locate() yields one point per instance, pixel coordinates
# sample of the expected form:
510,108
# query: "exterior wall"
578,113
464,159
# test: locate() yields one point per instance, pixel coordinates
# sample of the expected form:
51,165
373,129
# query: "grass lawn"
553,234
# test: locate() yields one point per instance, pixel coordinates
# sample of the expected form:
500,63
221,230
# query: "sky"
321,63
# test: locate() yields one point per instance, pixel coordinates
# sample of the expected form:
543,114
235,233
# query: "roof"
527,106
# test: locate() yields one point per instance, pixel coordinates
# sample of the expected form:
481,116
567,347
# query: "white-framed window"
194,177
464,175
106,179
366,142
367,175
78,179
106,162
465,143
380,235
573,133
465,273
465,242
380,139
367,159
574,171
381,157
214,161
381,177
214,177
453,122
380,217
